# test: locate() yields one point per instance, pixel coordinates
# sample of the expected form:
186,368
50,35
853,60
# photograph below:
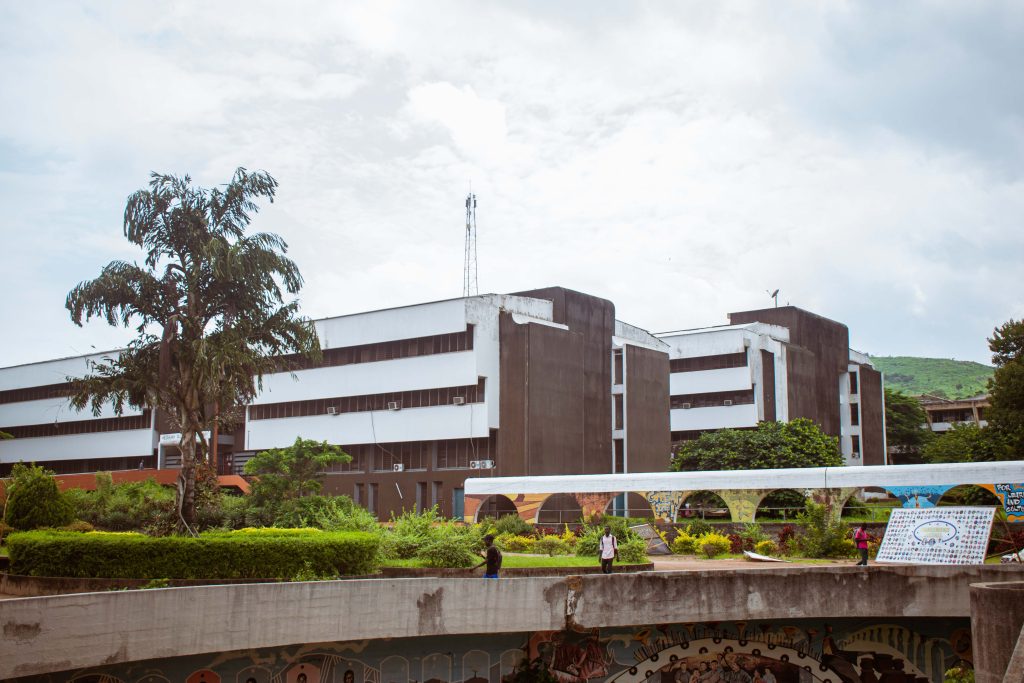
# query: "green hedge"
240,555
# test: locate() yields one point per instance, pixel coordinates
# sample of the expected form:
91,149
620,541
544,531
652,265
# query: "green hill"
939,376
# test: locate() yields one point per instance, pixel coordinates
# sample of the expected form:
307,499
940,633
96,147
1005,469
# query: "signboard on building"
1012,498
938,535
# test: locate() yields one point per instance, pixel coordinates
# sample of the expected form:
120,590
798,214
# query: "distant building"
422,397
776,364
943,413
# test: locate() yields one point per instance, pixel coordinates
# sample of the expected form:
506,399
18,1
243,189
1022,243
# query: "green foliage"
766,547
968,442
752,534
34,501
713,544
214,555
590,536
5,529
959,674
699,527
781,503
1006,389
684,544
331,513
937,376
514,525
906,424
209,307
551,545
298,470
514,544
799,443
633,551
79,526
134,506
821,535
450,546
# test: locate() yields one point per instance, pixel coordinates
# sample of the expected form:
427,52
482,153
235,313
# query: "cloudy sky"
678,158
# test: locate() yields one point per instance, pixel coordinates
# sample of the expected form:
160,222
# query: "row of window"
446,454
39,393
390,350
719,362
107,424
714,398
395,400
92,465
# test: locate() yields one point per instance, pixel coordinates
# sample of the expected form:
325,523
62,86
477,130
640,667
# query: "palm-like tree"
208,305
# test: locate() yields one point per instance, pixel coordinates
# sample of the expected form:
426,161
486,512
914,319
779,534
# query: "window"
617,367
854,414
854,389
719,362
618,411
855,446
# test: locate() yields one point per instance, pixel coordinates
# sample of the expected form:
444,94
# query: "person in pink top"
860,538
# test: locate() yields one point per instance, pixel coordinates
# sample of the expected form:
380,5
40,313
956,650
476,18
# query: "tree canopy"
772,445
208,306
906,425
294,471
1006,388
967,442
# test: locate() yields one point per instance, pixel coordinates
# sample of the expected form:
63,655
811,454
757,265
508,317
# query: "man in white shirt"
609,548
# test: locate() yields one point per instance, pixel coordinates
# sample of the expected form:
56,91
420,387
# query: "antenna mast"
469,275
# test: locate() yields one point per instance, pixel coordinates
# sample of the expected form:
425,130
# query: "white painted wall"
381,426
48,372
79,446
703,381
714,417
53,410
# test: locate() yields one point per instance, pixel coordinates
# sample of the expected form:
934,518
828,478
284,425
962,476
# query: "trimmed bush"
684,544
712,544
699,527
79,526
513,525
448,550
250,554
766,547
34,501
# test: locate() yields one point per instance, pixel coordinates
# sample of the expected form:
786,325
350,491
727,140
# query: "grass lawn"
510,561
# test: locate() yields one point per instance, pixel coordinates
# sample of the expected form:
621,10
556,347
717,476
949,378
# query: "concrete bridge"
103,634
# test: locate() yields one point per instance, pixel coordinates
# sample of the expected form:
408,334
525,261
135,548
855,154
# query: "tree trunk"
186,501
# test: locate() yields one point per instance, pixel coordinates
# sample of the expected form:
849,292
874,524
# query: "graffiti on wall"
1012,498
840,651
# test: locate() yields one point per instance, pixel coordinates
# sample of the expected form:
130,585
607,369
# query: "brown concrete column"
997,616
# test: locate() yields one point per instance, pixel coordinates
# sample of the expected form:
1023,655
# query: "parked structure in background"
943,413
776,364
542,382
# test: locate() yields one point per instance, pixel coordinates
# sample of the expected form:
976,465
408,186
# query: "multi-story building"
776,364
540,382
943,413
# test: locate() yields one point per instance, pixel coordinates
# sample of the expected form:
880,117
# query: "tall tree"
773,445
906,426
208,306
1006,388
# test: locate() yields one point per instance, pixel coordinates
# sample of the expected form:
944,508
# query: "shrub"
822,536
959,674
736,544
855,508
684,544
633,551
134,506
514,525
766,547
515,544
551,545
79,526
4,530
787,535
34,501
699,527
331,513
271,553
752,534
589,537
448,549
713,544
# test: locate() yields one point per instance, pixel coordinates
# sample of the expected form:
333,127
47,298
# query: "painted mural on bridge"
838,651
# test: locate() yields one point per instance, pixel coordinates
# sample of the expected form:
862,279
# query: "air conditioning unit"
458,400
394,405
331,410
481,464
727,402
686,406
398,467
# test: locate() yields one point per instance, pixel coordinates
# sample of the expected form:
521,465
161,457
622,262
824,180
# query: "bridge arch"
704,503
629,504
780,504
969,494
